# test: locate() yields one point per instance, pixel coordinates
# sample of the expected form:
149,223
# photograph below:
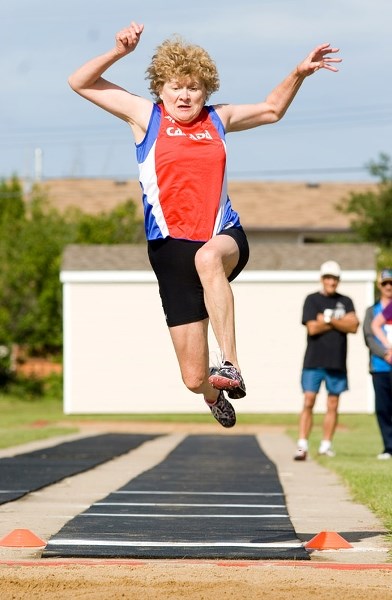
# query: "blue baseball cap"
386,275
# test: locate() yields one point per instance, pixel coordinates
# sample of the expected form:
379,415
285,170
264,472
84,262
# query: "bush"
372,211
33,236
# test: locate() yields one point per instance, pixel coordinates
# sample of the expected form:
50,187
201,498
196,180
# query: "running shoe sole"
223,411
231,386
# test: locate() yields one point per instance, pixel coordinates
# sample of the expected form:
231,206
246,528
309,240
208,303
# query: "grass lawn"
357,441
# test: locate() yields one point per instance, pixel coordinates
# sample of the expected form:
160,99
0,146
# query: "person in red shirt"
196,244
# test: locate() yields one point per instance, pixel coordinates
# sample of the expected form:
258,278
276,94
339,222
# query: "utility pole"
38,165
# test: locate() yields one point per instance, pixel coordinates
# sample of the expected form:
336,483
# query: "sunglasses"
384,283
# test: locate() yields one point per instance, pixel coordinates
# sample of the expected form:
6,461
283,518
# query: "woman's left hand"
318,59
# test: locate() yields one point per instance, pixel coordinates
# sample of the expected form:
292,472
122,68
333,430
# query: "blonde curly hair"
177,59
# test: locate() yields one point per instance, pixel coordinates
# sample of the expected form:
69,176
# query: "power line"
358,116
300,171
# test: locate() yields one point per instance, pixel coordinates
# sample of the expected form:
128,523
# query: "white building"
118,356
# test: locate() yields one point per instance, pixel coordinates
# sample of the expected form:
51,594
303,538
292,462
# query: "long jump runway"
213,497
25,473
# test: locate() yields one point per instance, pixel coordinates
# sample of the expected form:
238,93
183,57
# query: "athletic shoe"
328,452
384,456
228,378
223,411
300,454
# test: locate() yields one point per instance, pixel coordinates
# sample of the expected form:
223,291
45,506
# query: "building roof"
105,257
261,204
269,257
309,257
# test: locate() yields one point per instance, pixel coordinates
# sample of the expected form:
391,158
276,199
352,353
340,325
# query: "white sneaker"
329,452
384,456
301,454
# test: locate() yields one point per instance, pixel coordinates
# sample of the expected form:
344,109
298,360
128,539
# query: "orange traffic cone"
327,540
22,538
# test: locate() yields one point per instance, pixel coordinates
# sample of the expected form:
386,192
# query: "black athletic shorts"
173,262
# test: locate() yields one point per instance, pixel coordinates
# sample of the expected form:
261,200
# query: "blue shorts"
335,381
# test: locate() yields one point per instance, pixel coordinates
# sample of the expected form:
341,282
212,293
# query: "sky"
337,124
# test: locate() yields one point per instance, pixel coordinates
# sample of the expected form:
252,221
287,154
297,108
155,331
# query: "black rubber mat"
213,497
32,471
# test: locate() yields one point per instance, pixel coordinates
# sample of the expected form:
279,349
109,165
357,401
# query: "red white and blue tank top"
182,172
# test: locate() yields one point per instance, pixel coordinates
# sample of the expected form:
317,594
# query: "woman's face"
183,99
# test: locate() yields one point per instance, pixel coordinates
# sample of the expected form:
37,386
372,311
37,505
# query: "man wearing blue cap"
375,330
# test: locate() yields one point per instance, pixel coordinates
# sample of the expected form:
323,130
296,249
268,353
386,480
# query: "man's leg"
305,425
306,416
329,425
331,417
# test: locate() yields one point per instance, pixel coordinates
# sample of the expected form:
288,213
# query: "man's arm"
376,326
318,326
371,341
347,324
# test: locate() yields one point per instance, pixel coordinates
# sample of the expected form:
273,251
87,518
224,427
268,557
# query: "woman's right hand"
127,39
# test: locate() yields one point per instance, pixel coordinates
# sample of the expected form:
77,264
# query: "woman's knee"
207,259
194,381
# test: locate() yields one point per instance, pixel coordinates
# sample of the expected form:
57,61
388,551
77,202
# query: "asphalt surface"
214,496
315,498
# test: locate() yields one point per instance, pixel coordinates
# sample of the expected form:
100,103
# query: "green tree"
31,242
12,207
12,216
32,238
120,226
372,210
